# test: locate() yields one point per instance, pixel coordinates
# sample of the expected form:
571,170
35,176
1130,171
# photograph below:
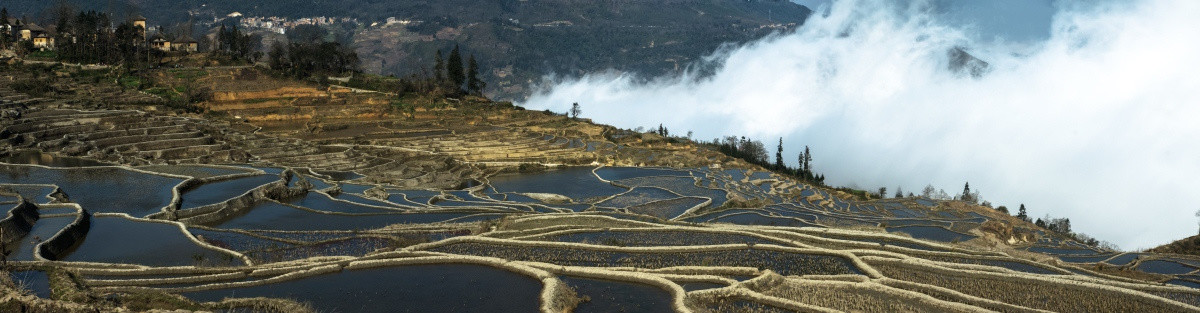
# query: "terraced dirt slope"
464,207
270,122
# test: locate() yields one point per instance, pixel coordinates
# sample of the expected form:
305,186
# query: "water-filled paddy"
43,230
100,189
577,183
276,216
1122,259
685,186
668,209
655,238
1012,265
932,233
907,213
615,296
33,193
1164,267
236,241
217,192
36,281
317,183
693,286
755,218
120,240
619,173
347,224
351,204
1061,251
356,188
268,169
735,174
423,288
638,196
1185,283
197,171
785,263
914,222
1086,259
412,197
882,241
356,246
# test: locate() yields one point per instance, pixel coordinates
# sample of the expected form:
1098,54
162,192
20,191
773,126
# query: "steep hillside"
1189,245
527,40
298,197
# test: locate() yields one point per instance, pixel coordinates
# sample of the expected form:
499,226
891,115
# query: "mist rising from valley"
1095,122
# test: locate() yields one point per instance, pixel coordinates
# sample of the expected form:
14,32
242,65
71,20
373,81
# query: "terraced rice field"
645,243
446,212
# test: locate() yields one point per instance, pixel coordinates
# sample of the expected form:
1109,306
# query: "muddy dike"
19,221
239,205
62,243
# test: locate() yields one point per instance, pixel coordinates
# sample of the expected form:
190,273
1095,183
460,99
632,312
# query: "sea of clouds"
1099,123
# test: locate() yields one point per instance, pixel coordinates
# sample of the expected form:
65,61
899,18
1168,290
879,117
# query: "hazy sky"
1095,120
1012,20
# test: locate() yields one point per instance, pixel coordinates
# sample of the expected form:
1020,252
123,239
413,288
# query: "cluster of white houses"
43,37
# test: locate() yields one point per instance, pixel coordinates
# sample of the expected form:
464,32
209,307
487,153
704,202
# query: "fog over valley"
1090,116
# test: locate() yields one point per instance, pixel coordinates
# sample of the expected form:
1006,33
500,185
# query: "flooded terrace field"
582,239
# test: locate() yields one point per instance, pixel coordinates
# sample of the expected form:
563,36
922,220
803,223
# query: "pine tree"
779,155
3,22
1021,214
807,160
454,69
439,68
800,167
899,192
277,57
966,195
575,110
474,84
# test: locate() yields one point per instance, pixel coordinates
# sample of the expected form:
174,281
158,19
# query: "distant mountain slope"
526,40
517,41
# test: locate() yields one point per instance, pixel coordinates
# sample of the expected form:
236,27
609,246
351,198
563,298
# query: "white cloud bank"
1100,123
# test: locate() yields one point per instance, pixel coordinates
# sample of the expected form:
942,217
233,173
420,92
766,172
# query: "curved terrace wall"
19,221
58,246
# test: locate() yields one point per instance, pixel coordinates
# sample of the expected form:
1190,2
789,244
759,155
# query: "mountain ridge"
516,42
